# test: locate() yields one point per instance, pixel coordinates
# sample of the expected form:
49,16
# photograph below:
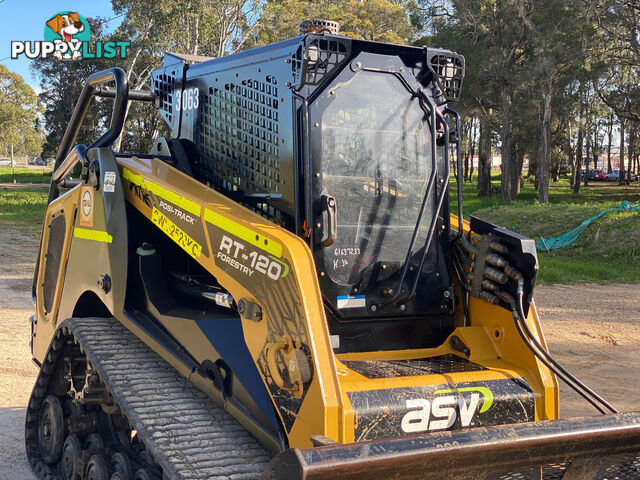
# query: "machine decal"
398,411
279,300
188,100
95,235
86,206
109,184
242,232
486,393
442,411
162,192
246,261
178,217
351,301
176,234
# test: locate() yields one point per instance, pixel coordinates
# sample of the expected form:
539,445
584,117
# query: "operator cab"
345,143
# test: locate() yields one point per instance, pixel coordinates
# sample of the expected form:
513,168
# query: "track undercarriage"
78,428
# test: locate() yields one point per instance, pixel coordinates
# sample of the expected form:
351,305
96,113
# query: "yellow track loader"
279,290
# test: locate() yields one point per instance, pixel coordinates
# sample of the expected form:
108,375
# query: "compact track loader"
278,289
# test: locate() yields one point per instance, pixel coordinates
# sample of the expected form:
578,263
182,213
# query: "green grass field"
23,209
25,175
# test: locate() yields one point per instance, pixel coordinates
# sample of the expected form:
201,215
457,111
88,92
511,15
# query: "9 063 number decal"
187,100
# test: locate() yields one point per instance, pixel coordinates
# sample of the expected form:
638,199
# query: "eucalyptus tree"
19,111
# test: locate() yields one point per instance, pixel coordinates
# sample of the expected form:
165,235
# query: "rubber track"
189,435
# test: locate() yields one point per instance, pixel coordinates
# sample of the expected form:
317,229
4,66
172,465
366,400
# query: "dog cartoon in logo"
67,26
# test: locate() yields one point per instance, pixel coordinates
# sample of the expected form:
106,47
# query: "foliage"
605,252
378,20
19,109
61,83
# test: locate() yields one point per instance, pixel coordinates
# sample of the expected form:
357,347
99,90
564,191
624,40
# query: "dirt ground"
593,330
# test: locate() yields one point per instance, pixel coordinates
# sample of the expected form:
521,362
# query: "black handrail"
107,138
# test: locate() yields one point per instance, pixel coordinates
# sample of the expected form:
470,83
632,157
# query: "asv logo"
441,412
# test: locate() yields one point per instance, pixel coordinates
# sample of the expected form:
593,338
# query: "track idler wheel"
71,452
97,468
50,430
120,463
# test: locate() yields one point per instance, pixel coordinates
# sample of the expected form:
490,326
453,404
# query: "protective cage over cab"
342,142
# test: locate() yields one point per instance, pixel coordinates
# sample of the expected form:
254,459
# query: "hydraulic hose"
551,363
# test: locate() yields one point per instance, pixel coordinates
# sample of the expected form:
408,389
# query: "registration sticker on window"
351,301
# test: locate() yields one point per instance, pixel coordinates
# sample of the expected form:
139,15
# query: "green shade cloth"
568,238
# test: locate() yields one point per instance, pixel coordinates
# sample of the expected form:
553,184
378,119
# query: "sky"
26,19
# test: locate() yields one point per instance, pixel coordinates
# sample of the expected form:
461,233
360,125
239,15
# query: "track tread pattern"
189,435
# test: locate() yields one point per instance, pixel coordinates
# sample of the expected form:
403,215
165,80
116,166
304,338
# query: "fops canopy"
568,238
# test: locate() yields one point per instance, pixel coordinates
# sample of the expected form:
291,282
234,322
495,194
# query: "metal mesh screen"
320,58
239,138
163,84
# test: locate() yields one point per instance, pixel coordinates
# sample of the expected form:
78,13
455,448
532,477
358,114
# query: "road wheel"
144,474
71,452
120,463
50,429
97,468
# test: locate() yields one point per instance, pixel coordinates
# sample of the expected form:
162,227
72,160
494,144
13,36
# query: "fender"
91,242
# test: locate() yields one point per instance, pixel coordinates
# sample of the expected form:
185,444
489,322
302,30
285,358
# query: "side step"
188,435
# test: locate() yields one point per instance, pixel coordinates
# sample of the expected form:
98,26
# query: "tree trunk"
630,153
544,148
507,192
474,129
484,159
196,34
570,156
588,159
579,142
621,169
517,178
609,141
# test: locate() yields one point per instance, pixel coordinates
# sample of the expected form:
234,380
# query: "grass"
607,251
23,209
25,175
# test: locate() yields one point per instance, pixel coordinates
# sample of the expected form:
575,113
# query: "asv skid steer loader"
289,251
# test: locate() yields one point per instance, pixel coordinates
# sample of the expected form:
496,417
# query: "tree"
61,83
377,20
19,109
